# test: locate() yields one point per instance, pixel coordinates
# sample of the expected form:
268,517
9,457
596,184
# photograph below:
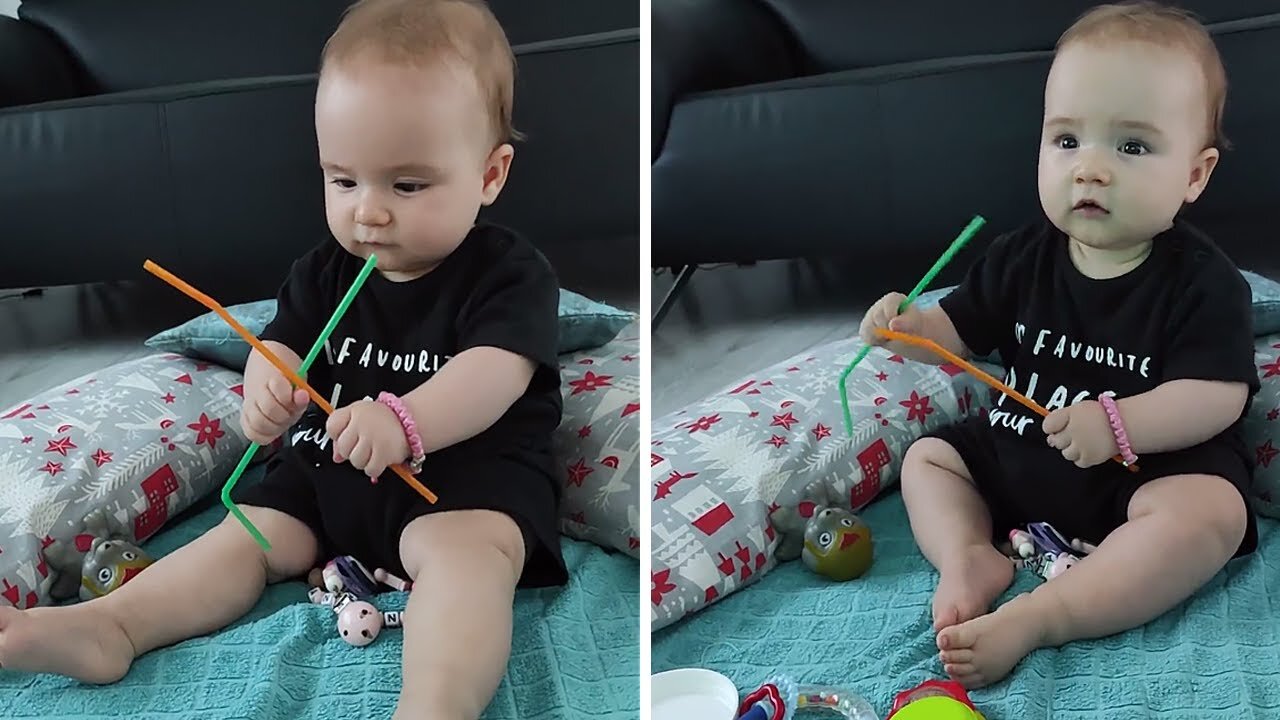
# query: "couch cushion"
878,193
841,35
134,44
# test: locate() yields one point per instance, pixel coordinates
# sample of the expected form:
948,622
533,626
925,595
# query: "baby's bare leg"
1181,531
465,566
952,526
196,589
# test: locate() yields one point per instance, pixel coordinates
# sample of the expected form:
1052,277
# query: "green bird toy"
831,541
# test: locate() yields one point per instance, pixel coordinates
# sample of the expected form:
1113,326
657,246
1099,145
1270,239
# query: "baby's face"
408,161
1123,141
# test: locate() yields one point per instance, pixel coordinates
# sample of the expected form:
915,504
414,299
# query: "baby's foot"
983,650
76,641
969,584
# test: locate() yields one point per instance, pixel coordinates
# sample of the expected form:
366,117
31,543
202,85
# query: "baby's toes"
957,637
963,655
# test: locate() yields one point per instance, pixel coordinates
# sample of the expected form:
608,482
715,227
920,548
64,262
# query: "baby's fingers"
1056,421
271,410
283,392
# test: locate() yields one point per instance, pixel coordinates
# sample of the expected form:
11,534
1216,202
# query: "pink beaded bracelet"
397,406
1108,401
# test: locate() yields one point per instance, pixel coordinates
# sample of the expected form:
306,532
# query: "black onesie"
495,290
1064,337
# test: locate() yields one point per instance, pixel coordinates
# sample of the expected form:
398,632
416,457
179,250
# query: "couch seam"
577,42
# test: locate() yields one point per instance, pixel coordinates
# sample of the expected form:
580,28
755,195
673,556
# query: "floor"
732,320
65,332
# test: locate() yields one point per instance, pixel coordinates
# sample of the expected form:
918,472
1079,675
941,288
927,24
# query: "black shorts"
352,516
1085,505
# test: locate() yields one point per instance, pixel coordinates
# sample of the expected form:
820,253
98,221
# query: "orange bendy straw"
976,372
294,377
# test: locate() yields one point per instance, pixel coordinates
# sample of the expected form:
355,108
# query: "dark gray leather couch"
871,132
181,131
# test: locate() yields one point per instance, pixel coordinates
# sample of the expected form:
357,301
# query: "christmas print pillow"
598,443
1262,429
141,440
719,466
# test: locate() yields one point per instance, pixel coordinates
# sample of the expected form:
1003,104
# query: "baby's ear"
1201,169
496,167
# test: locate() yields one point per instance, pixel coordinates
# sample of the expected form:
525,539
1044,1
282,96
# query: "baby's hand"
884,315
1082,433
271,406
369,435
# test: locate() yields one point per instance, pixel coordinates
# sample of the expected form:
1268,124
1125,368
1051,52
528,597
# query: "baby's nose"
1091,169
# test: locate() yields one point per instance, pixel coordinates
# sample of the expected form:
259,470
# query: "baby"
1110,293
446,359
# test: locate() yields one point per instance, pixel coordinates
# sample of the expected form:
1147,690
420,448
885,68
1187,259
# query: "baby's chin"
1105,233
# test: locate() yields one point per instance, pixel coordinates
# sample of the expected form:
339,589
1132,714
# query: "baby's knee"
1226,517
294,547
441,542
1204,509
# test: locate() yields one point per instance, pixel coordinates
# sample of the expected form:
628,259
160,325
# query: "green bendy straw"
963,238
302,372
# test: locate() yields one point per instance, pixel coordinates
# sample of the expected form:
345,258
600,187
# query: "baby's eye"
410,187
1066,142
344,183
1133,147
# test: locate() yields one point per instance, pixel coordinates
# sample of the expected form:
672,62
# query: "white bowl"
693,694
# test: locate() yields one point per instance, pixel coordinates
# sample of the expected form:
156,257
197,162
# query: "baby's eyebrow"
407,168
413,169
1139,125
1062,120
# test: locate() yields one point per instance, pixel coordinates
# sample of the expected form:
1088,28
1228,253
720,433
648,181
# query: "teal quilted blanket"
1215,657
575,655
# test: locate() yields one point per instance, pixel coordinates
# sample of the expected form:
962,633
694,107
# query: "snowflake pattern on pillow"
598,444
142,440
1262,429
721,465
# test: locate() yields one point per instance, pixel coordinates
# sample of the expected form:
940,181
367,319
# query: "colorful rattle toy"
937,349
359,622
831,541
934,700
96,561
295,378
781,697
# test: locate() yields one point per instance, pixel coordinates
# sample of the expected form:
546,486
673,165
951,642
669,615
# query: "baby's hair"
419,32
1165,26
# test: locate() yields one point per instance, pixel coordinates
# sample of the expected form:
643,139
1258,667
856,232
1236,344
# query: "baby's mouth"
1090,207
